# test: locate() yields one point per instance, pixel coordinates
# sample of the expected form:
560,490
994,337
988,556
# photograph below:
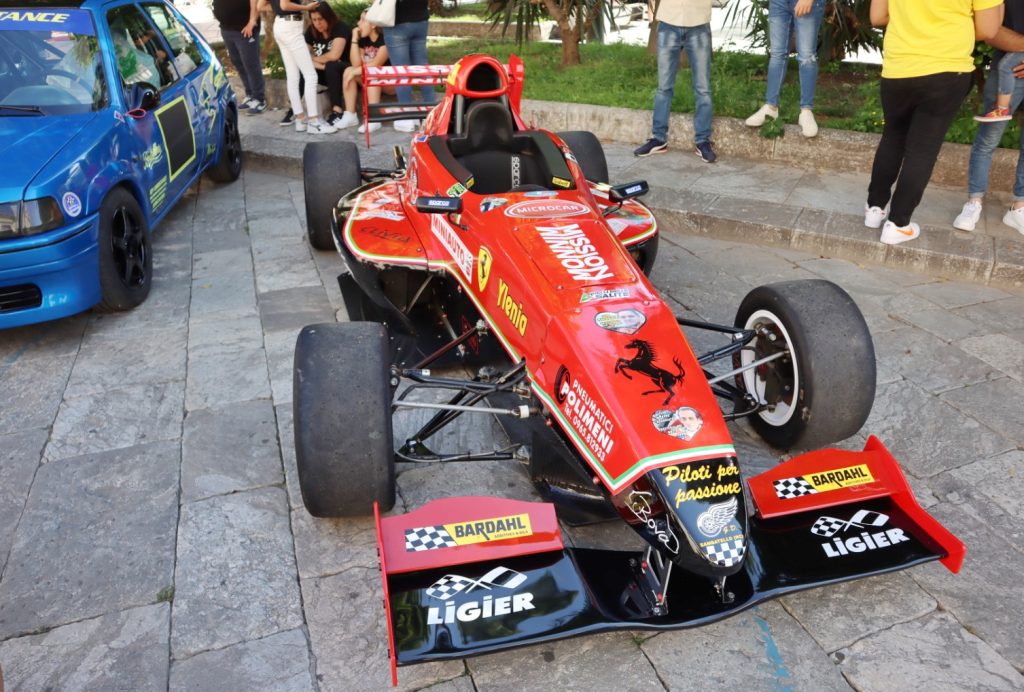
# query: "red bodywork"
545,272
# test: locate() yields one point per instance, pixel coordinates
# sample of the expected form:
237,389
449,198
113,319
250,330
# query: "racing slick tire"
125,253
822,390
229,166
330,170
589,154
342,415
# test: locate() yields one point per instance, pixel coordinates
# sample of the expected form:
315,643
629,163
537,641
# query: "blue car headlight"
19,219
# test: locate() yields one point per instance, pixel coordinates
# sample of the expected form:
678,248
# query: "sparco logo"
545,209
828,527
488,606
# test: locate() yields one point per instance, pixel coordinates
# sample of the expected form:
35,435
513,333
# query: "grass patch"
165,595
846,98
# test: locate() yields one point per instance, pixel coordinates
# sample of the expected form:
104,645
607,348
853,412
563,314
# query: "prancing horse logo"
643,363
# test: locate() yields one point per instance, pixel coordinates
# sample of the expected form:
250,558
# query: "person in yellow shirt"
926,74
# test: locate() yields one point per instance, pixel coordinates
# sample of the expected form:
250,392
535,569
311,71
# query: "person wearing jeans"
786,17
1010,38
298,63
407,45
240,28
926,73
683,25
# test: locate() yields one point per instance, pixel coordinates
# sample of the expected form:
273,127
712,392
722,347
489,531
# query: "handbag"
381,13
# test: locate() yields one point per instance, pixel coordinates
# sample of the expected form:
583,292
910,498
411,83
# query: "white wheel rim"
756,384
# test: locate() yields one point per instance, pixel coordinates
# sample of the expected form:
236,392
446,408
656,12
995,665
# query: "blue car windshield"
49,63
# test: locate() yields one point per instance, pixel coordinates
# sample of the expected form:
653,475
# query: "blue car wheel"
229,166
125,253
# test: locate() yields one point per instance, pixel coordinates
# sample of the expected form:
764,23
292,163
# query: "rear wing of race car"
472,575
420,75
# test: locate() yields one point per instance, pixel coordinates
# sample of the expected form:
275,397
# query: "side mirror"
439,205
620,193
143,96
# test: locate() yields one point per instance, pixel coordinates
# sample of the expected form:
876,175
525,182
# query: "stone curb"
939,251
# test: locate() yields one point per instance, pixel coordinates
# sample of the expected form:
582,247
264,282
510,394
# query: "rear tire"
330,170
589,154
822,390
229,167
342,415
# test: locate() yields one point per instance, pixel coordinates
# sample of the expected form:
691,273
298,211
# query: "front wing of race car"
471,575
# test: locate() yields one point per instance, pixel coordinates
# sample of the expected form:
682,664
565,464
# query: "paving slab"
110,517
929,362
985,596
926,434
20,456
760,649
328,546
215,264
279,662
248,429
281,363
138,359
999,351
31,391
293,308
126,650
837,616
957,294
598,662
117,418
345,617
223,296
235,572
999,404
239,332
933,653
46,340
219,375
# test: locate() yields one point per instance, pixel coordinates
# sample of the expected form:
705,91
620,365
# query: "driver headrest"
489,125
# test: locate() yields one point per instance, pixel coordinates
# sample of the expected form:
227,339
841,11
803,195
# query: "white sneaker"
968,217
319,127
347,120
765,111
300,124
894,235
808,126
373,127
1014,218
407,125
874,216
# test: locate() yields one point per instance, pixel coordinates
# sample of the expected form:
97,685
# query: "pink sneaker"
995,115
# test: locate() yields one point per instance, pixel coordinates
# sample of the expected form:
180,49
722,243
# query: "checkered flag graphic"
788,488
830,526
449,585
726,554
428,538
827,526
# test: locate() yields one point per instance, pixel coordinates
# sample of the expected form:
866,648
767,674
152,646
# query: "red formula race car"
501,248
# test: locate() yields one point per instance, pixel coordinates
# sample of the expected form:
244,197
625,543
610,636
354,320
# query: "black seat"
498,160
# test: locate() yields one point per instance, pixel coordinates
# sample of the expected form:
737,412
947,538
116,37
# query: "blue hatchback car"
109,111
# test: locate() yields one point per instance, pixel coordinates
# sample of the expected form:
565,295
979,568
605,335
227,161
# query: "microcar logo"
545,209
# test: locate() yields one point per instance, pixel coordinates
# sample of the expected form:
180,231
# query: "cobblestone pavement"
152,535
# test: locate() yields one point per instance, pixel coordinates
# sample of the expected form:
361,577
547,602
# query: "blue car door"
163,140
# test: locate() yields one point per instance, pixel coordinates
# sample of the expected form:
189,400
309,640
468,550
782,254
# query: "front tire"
589,154
125,253
342,415
822,387
330,170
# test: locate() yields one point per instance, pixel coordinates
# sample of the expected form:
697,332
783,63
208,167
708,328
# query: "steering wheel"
58,72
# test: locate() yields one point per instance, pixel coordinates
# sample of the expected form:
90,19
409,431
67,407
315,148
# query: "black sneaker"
705,152
288,118
333,118
652,146
256,107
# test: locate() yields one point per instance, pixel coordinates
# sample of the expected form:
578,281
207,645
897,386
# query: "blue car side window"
140,52
185,53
